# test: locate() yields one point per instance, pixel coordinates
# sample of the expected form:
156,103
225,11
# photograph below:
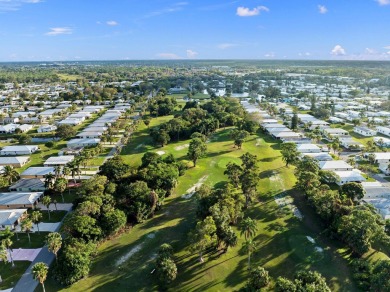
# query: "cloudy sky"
48,30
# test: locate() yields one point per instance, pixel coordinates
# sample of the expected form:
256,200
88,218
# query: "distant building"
18,150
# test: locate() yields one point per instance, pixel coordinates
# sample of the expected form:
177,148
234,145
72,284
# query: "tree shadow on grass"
269,159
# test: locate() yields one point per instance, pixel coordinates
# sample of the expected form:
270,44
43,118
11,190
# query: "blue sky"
51,30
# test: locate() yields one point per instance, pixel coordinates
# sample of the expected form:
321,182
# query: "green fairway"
125,263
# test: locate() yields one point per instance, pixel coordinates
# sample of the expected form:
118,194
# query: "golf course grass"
126,262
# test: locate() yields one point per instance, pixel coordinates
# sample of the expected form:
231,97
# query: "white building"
59,160
19,150
78,143
348,176
383,130
364,131
46,128
308,148
335,165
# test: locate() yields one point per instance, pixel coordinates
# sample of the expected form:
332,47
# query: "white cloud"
383,2
245,12
191,54
387,47
173,8
112,23
171,56
306,54
270,55
369,51
338,51
54,31
225,46
322,9
15,5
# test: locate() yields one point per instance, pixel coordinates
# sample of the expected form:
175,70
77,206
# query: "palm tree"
39,271
26,226
36,218
7,243
60,186
49,180
54,242
57,171
46,201
248,227
249,246
10,174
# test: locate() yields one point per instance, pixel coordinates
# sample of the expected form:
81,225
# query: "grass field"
11,275
37,240
282,244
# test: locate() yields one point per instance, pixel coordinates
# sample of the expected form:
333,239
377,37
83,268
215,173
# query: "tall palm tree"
36,218
248,227
3,255
39,271
46,201
57,171
54,242
10,174
60,186
26,226
49,180
7,243
249,246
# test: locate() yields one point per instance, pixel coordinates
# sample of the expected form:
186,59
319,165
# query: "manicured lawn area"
55,216
282,244
10,275
37,240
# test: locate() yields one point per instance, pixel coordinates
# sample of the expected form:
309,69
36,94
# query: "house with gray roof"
37,172
59,160
11,218
28,185
18,161
16,200
18,150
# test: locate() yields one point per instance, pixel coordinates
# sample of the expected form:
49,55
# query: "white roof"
18,148
382,155
302,147
41,171
350,175
13,160
334,164
321,156
19,198
9,217
59,160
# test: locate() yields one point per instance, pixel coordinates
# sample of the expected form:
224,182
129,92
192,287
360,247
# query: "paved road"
26,283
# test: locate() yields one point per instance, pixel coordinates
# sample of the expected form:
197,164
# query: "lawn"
37,240
282,244
55,216
10,275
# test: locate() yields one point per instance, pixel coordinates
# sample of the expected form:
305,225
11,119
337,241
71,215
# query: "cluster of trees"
371,277
95,217
204,119
217,211
162,105
166,268
245,176
359,226
303,281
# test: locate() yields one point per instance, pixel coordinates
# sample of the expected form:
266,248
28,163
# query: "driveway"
60,207
23,254
44,227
